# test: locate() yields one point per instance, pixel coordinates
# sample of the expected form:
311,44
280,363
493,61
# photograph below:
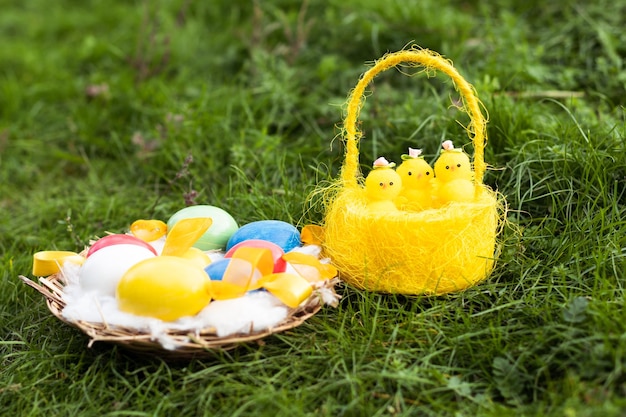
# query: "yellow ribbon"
310,267
148,230
251,268
291,289
184,234
243,272
46,263
312,234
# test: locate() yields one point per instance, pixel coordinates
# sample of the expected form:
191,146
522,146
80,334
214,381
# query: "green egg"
216,237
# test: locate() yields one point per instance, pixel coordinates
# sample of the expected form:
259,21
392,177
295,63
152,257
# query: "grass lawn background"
112,111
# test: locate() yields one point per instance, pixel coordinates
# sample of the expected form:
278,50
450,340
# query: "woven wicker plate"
188,344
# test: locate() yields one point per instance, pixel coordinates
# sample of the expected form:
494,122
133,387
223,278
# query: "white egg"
102,270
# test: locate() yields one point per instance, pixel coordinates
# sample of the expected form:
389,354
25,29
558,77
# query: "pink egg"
277,252
118,239
102,271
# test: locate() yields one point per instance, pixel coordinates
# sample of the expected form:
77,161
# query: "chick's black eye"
391,183
447,166
381,184
458,165
427,172
410,173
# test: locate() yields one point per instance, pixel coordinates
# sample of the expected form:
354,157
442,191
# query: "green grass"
253,92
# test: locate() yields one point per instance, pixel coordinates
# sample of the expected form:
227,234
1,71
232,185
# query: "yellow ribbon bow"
251,268
50,262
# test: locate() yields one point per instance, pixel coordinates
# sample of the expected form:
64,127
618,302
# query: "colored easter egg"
277,252
164,287
278,232
103,270
216,269
220,231
118,239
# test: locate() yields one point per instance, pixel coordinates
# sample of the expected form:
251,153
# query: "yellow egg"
196,255
164,287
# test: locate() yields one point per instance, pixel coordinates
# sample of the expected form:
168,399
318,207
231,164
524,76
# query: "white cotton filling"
256,311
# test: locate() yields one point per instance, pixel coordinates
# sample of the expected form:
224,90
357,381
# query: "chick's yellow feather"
382,186
454,177
417,177
453,165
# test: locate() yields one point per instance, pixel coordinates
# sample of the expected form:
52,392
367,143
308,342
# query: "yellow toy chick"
454,175
382,186
417,177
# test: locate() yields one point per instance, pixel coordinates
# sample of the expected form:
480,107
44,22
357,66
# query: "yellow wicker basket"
433,251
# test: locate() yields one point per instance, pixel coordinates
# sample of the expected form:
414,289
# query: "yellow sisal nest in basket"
434,251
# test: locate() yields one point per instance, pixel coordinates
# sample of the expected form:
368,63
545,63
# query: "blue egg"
216,269
281,233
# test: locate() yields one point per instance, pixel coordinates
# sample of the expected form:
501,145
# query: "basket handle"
429,60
